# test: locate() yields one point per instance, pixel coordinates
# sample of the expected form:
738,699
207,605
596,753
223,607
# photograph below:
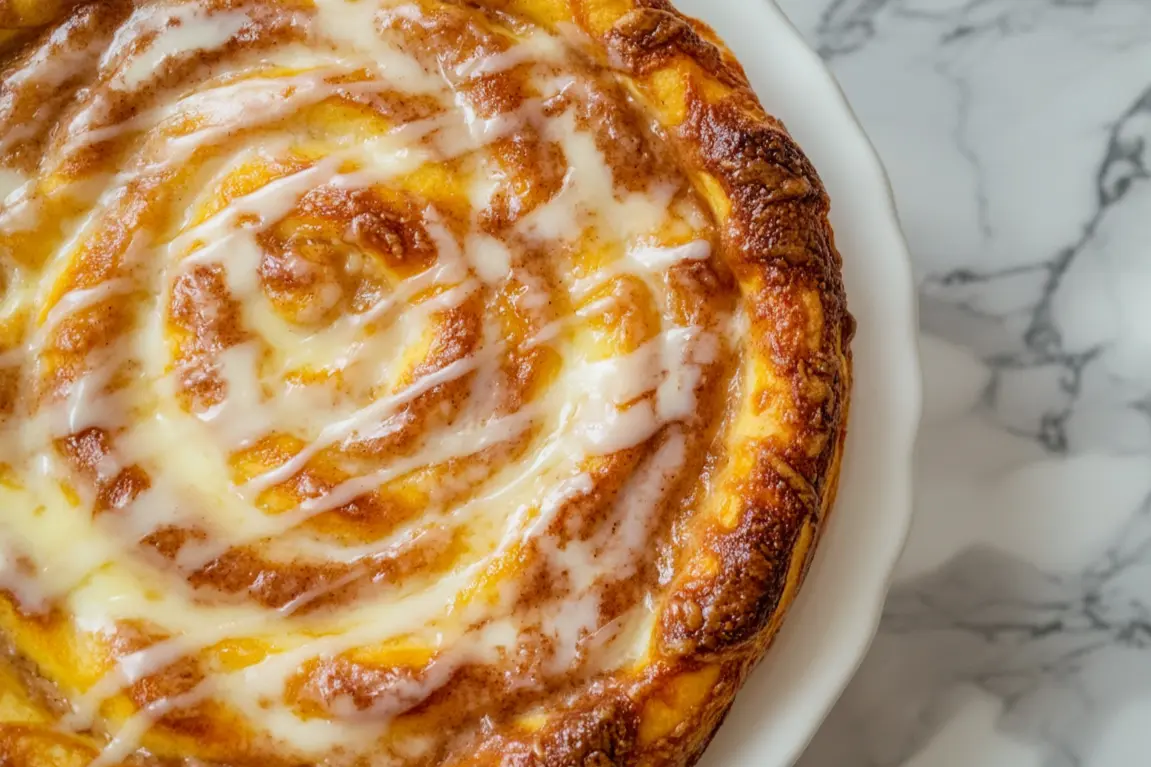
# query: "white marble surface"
1018,138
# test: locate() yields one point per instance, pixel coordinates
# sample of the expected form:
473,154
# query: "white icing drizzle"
589,193
357,24
537,47
240,417
10,181
70,304
595,407
491,258
615,550
644,261
184,29
224,110
347,427
668,364
49,67
14,578
652,258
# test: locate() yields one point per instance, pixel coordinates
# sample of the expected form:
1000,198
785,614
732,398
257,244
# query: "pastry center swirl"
365,356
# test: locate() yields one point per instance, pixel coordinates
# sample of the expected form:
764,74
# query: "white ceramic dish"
836,614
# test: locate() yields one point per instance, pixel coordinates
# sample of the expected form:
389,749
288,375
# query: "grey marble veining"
1018,137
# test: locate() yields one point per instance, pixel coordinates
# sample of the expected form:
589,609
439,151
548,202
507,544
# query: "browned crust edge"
778,237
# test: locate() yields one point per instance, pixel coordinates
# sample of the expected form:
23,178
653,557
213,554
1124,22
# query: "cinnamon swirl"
427,382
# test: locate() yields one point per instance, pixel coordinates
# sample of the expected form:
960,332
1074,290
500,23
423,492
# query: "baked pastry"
399,383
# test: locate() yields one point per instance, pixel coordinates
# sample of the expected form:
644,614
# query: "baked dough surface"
413,383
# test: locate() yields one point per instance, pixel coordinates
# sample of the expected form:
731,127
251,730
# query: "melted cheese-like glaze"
349,369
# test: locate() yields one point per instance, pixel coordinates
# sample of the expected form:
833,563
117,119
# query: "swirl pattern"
375,385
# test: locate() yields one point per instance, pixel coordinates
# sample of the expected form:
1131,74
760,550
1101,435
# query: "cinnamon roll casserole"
409,383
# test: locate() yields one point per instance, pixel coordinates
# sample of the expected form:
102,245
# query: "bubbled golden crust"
730,560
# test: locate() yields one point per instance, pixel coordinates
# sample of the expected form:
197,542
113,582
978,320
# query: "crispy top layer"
401,383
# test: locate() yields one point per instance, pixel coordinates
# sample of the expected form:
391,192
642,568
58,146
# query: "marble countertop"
1018,137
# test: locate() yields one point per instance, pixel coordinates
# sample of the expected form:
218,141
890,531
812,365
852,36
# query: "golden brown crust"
779,243
731,543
